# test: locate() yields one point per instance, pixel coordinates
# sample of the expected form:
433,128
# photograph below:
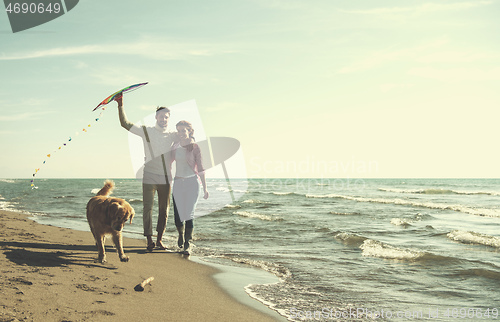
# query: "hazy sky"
310,88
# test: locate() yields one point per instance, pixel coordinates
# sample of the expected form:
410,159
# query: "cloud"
15,117
22,116
54,52
148,108
380,57
373,60
423,8
125,75
30,107
131,74
457,74
284,4
222,106
153,49
389,87
457,57
429,54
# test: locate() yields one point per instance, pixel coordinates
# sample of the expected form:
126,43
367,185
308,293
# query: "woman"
186,190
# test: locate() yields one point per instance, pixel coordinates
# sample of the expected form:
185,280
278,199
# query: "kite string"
84,130
101,105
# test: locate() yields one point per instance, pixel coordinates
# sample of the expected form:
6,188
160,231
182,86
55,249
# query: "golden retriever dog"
106,216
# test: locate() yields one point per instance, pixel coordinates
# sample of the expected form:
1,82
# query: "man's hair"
161,108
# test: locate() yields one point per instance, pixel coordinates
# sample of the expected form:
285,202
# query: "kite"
87,127
111,97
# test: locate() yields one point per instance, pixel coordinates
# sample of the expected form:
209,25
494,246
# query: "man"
156,176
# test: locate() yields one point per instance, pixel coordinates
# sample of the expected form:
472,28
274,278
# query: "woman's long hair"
188,125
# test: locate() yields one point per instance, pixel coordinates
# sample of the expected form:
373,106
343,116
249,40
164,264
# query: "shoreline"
50,273
234,279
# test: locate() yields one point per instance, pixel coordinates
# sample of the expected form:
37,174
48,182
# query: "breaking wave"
401,222
350,239
252,201
373,248
431,205
440,191
278,270
344,213
135,201
224,189
249,214
277,193
232,206
471,237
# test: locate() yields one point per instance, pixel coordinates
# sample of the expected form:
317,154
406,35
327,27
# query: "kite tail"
107,189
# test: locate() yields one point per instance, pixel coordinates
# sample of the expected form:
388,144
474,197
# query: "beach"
50,274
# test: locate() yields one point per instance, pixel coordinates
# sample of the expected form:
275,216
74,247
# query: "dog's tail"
107,189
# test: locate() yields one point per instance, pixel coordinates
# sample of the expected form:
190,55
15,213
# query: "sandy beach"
50,274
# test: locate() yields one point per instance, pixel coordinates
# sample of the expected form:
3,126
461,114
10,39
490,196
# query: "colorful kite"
111,97
86,128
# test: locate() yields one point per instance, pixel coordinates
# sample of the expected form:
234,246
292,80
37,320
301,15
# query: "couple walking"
162,149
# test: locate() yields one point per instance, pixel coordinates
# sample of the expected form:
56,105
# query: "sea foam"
374,248
405,202
350,238
400,222
232,206
436,191
471,237
249,214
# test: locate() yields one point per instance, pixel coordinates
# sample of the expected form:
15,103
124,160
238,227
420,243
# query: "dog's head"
120,213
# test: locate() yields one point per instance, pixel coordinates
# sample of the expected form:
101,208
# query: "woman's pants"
185,195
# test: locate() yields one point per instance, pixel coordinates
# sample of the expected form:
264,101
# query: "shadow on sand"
52,255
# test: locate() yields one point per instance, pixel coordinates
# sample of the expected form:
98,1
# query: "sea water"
343,249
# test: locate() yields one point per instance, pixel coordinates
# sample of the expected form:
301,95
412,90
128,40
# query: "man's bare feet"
159,245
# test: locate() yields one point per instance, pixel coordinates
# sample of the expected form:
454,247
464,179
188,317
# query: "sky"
311,89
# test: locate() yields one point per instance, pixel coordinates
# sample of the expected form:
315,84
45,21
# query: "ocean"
343,249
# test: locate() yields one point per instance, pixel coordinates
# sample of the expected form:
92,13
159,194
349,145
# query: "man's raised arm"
125,123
